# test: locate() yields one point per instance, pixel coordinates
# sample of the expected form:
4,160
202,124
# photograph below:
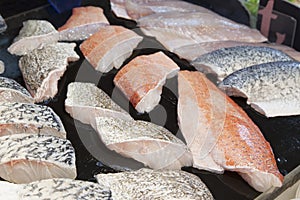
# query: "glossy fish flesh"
17,118
42,68
148,143
220,134
142,79
151,184
272,89
110,47
11,91
225,61
25,158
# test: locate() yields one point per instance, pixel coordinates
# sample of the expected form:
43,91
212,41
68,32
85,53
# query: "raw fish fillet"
150,144
238,145
54,189
2,67
273,89
42,68
175,29
11,91
110,47
141,80
85,102
25,158
160,184
225,61
19,118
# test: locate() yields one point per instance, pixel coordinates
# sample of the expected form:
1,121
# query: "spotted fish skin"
151,184
25,158
225,61
271,89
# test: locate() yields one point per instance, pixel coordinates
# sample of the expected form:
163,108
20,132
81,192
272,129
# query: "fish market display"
220,134
25,158
2,67
150,144
110,47
141,80
54,189
11,91
17,118
177,29
271,88
34,34
150,184
85,102
225,61
42,68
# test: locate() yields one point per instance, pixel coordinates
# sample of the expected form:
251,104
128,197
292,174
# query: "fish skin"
155,184
225,61
110,47
148,143
141,80
272,89
239,146
26,158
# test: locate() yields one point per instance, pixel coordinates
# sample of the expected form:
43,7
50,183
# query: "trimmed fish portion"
110,47
85,102
272,89
42,68
142,79
150,184
25,158
221,136
225,61
17,118
150,144
54,189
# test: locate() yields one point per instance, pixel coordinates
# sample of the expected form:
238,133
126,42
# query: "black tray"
93,157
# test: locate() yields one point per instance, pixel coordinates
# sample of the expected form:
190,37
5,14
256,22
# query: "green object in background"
252,8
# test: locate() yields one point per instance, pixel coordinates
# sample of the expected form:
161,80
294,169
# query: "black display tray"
93,157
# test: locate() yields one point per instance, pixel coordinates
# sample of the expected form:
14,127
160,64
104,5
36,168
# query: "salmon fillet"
110,47
238,145
142,79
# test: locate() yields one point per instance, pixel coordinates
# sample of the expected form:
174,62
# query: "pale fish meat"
272,89
26,158
142,79
155,184
225,61
42,68
148,143
221,136
11,91
85,102
54,189
17,118
110,47
2,67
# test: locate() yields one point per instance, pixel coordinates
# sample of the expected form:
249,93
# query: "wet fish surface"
148,143
25,158
225,61
151,184
272,89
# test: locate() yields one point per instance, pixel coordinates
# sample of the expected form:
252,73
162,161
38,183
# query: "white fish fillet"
160,184
54,189
42,68
17,118
11,91
85,102
25,158
150,144
142,79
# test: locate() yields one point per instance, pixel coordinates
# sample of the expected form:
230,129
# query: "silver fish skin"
151,184
272,89
225,61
